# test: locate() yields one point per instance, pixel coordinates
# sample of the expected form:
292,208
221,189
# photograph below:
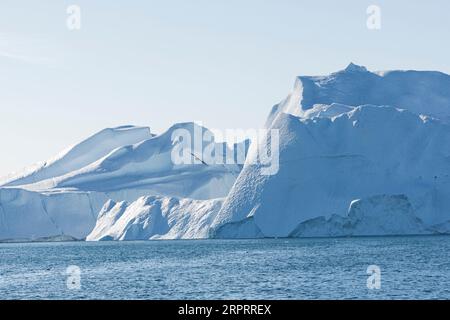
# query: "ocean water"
411,268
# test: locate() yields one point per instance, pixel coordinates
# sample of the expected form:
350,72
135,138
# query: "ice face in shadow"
377,215
30,215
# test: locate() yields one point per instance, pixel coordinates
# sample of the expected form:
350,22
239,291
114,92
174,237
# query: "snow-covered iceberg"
351,135
64,195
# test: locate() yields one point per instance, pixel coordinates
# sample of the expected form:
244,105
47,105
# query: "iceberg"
351,135
64,195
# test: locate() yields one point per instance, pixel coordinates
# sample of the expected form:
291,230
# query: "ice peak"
355,68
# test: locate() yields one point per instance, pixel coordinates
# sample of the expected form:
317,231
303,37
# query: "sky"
153,63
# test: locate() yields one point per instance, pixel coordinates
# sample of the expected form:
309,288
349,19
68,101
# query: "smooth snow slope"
65,195
143,168
333,152
80,155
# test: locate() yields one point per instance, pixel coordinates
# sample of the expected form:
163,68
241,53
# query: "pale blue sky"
155,63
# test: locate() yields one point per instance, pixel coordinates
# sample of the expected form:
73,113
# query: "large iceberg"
348,136
64,195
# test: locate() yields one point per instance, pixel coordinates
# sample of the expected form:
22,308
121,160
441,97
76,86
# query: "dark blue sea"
406,268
